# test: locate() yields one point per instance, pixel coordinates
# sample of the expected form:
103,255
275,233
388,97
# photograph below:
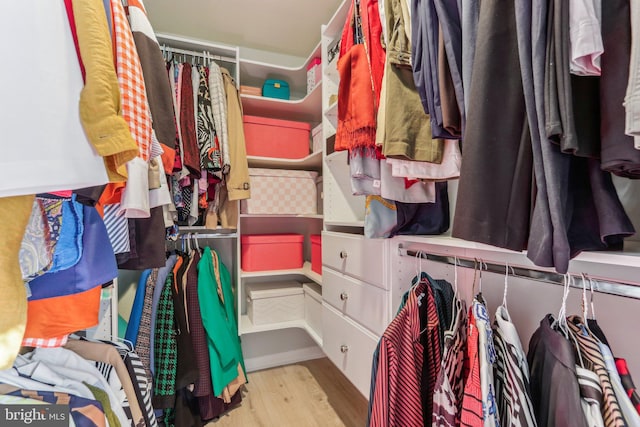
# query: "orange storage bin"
283,139
264,252
316,253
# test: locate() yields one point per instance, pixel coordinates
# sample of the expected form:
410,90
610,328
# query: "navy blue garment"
97,264
424,218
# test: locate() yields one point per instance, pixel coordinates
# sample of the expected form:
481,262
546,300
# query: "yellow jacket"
100,99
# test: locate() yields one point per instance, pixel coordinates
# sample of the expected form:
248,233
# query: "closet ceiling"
289,27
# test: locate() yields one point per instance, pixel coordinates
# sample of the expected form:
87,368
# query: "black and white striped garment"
447,396
590,396
592,359
511,374
141,383
109,373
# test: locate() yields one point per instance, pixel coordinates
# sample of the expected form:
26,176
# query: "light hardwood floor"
307,394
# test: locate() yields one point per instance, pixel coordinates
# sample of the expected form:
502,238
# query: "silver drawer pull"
343,254
344,296
344,348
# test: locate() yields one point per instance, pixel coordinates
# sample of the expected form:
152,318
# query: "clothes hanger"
560,323
506,286
479,297
583,303
592,282
197,243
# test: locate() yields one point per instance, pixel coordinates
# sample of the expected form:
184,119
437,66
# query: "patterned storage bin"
280,191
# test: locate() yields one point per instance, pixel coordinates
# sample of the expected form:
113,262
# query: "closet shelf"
247,327
254,73
311,162
306,109
618,266
304,271
359,224
276,216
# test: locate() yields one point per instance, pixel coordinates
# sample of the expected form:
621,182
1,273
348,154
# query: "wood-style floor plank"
307,394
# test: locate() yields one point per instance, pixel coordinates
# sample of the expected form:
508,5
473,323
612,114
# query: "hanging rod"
199,54
197,235
603,286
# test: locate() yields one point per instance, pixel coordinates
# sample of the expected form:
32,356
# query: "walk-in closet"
382,213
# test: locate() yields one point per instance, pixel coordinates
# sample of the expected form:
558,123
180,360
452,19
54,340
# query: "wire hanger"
479,297
593,285
584,305
561,321
455,278
506,285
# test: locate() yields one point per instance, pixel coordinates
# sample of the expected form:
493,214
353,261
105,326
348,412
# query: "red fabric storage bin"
316,253
276,138
263,252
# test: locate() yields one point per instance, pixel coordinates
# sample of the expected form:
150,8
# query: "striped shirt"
447,397
590,396
593,360
511,374
397,399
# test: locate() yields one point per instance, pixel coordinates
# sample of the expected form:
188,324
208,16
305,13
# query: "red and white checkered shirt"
133,95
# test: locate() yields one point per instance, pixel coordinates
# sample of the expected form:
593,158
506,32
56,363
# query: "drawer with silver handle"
355,256
364,303
349,347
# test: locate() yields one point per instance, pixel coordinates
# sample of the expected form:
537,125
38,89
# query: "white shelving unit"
302,107
254,73
311,162
247,327
306,109
304,271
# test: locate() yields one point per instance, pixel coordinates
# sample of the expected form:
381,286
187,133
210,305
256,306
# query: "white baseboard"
285,358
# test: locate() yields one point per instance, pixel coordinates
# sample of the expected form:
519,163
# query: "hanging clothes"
218,318
590,352
157,85
407,128
400,395
100,98
448,393
554,385
513,394
497,156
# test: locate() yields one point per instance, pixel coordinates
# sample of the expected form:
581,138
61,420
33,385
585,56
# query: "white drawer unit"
366,304
355,256
349,347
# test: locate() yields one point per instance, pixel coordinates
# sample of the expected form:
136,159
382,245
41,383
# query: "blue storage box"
273,88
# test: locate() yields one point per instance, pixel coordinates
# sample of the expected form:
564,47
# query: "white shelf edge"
345,223
247,327
304,271
312,274
308,216
313,160
276,101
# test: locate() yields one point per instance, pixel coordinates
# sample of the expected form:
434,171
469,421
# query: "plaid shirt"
166,350
135,108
